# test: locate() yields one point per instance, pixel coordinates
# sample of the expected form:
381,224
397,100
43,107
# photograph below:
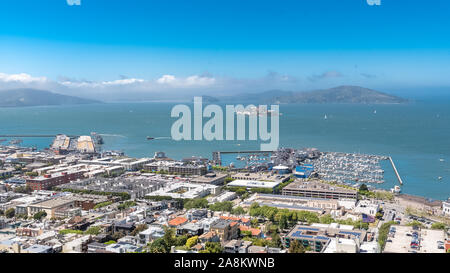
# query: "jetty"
396,172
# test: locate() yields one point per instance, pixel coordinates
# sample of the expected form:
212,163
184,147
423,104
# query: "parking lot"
400,241
429,242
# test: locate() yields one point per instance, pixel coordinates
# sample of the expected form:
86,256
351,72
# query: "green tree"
326,219
181,240
238,211
415,224
383,233
9,213
93,230
39,215
222,206
169,237
296,247
200,203
158,246
363,188
438,226
213,247
191,241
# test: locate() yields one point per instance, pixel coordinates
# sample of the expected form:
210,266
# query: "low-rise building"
50,206
225,229
317,236
446,207
317,189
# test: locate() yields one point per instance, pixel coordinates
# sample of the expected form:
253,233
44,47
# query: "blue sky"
224,45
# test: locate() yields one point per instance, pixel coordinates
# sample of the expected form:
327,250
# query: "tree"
169,237
296,247
238,211
383,233
9,213
222,206
117,235
139,229
326,219
39,215
181,240
438,226
93,230
191,241
213,247
200,203
363,188
23,189
158,246
415,224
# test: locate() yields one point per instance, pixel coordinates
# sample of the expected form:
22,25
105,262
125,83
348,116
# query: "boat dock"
396,172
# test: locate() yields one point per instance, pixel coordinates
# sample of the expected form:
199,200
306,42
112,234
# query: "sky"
117,50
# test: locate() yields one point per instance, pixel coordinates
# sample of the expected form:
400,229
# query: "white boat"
325,117
396,189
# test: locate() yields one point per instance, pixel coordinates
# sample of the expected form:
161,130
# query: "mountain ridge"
340,94
25,97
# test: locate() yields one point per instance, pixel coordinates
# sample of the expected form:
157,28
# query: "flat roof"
253,184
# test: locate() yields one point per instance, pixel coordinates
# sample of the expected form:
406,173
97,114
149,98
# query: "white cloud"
21,78
72,83
166,79
190,81
73,2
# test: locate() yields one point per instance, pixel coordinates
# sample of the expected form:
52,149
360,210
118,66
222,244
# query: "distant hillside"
341,94
34,97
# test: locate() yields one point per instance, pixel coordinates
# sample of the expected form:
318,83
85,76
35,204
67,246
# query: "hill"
34,97
340,94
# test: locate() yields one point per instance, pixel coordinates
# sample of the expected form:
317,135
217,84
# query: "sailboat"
325,117
375,111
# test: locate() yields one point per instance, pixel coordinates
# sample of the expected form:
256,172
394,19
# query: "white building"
186,190
341,245
446,207
153,232
367,207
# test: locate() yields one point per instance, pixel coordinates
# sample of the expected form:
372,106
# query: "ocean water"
416,135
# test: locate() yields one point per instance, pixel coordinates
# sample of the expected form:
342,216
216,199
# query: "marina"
349,168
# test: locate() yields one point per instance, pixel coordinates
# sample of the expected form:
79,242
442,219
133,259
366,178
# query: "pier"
396,172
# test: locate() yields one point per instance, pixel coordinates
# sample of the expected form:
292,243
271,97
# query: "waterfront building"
317,189
446,207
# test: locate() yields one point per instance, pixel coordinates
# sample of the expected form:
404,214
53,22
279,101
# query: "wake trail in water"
112,135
